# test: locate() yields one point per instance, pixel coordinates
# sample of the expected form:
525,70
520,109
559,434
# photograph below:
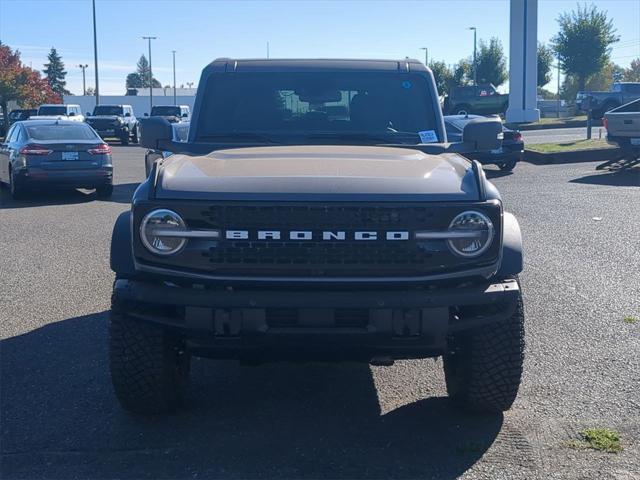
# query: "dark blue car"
55,153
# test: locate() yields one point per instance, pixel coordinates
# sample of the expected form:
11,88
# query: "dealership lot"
582,277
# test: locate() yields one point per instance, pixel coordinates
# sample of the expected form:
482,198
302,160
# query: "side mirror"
146,114
87,114
72,114
127,114
483,133
155,130
185,115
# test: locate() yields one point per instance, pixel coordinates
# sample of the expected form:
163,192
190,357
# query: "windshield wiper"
246,136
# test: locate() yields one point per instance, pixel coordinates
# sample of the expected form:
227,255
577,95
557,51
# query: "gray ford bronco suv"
316,212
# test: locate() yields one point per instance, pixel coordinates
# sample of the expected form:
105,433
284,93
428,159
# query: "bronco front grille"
317,257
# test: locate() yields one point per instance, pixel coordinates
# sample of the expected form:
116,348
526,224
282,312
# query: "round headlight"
160,232
471,234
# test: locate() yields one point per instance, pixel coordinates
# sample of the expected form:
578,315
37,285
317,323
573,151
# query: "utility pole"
174,76
267,50
558,95
150,74
95,52
475,64
426,55
84,83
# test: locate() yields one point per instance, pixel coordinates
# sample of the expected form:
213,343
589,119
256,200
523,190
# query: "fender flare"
512,256
121,259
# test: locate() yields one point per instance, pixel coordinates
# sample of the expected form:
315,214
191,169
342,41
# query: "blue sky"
201,30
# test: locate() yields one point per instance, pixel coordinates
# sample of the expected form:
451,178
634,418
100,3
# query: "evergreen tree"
143,70
545,61
55,73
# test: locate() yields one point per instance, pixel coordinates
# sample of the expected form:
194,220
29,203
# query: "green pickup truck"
476,99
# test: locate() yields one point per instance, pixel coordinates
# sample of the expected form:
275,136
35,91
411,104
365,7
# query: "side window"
633,88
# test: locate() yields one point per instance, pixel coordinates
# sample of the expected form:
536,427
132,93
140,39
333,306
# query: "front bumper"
321,323
85,178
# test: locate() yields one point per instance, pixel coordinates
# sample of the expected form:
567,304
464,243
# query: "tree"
583,44
90,91
143,69
21,84
632,74
491,63
545,62
55,72
442,75
134,80
462,73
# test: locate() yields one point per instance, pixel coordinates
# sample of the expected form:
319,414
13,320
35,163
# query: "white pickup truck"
623,127
60,112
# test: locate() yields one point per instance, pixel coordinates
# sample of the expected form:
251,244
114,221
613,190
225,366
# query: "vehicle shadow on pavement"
122,193
60,420
623,178
491,173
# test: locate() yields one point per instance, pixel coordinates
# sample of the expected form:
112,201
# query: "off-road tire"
507,167
462,108
124,139
148,364
484,367
104,191
134,135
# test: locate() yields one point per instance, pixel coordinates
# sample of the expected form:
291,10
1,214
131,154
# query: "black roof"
319,64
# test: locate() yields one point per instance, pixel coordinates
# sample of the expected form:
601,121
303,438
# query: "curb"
576,156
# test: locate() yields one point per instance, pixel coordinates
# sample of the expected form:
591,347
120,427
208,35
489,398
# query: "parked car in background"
506,157
173,113
60,112
478,99
21,114
114,121
55,153
623,127
601,102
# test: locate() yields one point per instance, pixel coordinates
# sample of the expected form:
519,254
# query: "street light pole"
558,94
426,55
267,50
174,76
84,83
475,64
95,52
150,74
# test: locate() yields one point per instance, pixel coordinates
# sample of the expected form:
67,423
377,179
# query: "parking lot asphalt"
59,417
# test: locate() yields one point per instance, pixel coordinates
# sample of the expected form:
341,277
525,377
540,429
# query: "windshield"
61,132
388,107
107,110
166,111
53,110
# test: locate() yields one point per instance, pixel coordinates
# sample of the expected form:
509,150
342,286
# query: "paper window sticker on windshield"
428,136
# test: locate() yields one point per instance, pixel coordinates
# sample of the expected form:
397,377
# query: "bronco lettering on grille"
327,235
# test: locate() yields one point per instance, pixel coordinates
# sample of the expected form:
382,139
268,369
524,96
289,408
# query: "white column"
523,62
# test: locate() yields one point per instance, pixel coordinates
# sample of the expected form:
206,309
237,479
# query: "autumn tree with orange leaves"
21,83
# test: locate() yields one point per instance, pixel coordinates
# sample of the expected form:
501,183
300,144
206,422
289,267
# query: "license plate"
69,155
635,141
497,150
